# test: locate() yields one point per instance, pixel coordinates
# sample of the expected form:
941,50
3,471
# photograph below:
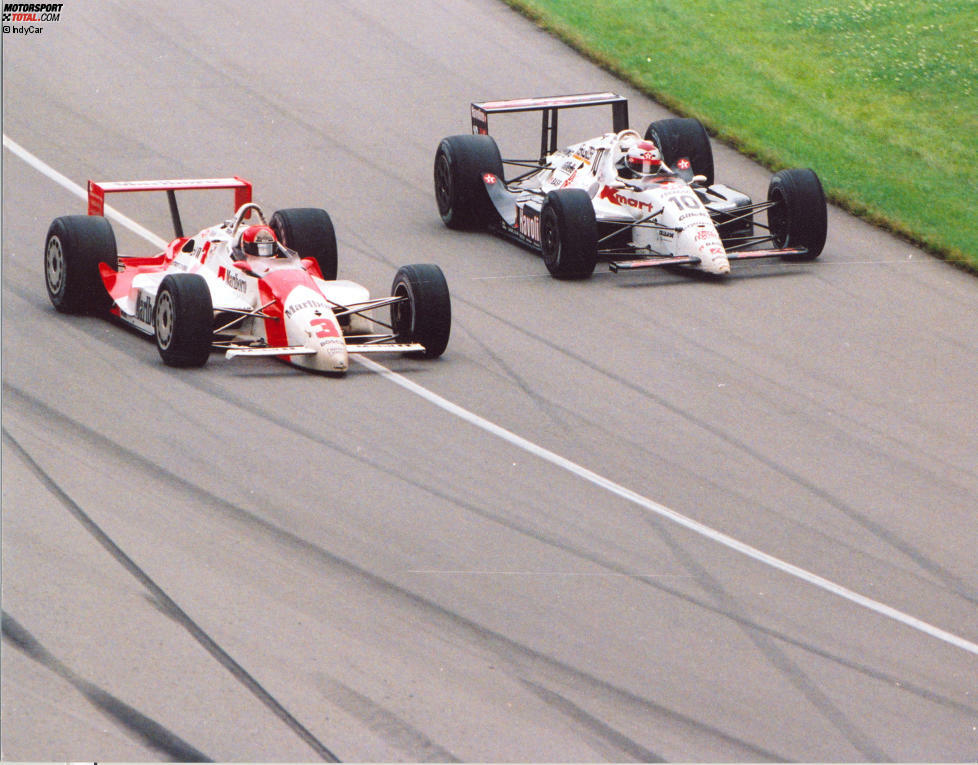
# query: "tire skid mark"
215,650
551,409
598,728
774,655
935,475
154,735
568,547
736,616
950,579
241,515
523,661
392,728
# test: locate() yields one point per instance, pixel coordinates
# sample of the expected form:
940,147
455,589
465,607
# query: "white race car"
247,286
636,201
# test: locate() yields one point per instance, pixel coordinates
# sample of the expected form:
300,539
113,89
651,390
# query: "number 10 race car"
247,286
636,201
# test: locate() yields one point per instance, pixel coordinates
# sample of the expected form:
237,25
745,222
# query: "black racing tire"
569,234
460,164
798,217
183,320
73,249
426,316
683,137
309,231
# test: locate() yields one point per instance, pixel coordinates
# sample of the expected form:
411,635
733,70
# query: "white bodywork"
634,220
681,225
275,306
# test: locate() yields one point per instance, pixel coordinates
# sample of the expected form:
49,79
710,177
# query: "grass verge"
880,97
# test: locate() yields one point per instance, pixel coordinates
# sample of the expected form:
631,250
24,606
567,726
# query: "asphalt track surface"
641,517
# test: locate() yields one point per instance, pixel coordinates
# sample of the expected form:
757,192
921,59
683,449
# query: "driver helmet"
644,158
258,240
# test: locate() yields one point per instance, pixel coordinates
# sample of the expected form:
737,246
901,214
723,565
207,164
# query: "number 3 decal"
327,328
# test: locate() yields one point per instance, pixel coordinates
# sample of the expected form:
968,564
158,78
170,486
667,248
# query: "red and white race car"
248,286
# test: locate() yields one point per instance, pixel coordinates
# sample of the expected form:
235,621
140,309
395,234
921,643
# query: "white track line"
74,188
665,512
572,467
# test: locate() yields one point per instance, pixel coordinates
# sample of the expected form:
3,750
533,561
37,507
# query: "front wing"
301,350
627,265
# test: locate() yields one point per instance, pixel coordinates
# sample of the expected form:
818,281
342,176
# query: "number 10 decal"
685,201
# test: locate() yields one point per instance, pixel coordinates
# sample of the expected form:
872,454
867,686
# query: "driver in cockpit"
256,240
642,160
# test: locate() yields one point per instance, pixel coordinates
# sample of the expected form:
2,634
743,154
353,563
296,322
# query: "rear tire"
460,164
426,316
73,249
309,231
799,217
183,319
683,137
569,234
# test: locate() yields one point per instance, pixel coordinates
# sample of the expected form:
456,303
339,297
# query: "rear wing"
98,189
550,105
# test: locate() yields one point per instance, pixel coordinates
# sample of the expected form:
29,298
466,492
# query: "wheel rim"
402,314
550,238
778,219
164,320
54,266
443,185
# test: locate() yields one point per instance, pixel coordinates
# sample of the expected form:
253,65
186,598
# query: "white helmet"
644,158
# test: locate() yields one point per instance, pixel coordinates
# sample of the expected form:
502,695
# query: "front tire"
426,315
799,217
460,164
569,234
183,319
73,249
309,231
683,137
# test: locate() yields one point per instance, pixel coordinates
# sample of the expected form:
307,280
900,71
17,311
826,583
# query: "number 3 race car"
248,286
636,201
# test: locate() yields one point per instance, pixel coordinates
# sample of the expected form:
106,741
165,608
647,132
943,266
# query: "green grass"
880,97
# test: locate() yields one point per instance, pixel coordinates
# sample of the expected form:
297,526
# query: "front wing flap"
666,260
386,348
628,265
268,350
301,350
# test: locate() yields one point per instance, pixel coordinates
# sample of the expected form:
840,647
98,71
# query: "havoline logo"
528,223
